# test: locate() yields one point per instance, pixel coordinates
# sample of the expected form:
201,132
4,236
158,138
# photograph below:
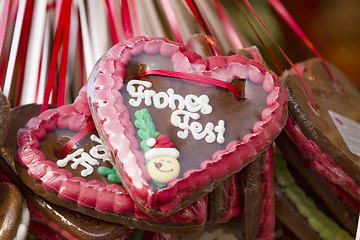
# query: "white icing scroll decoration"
99,151
187,108
80,157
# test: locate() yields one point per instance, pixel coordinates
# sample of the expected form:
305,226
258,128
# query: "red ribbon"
172,20
64,56
113,21
76,138
23,44
81,56
285,15
193,77
229,28
50,81
199,17
258,34
311,100
136,17
126,20
4,18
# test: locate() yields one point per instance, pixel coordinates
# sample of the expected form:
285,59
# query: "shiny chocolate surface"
239,115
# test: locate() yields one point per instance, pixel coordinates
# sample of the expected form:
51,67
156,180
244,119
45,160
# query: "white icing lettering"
207,133
79,157
99,151
188,109
148,95
160,100
220,129
194,103
204,101
196,128
184,125
139,94
175,97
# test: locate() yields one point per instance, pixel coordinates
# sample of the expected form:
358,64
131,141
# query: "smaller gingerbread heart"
83,179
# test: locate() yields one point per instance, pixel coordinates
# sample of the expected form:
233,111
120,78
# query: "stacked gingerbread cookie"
321,145
161,139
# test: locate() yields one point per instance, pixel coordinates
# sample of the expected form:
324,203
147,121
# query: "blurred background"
94,26
333,27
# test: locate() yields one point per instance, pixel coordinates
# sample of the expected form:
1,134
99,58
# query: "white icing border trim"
157,152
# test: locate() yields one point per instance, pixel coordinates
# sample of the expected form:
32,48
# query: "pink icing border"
112,114
324,166
267,221
87,194
232,193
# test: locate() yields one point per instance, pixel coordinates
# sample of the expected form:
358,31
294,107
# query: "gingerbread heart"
174,122
326,135
84,180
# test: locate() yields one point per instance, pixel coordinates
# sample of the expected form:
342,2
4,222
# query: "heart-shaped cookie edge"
171,198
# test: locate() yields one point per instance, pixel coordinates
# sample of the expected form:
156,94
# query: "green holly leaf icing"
136,235
326,227
110,173
146,127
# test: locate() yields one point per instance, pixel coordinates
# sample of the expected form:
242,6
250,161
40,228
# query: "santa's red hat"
161,146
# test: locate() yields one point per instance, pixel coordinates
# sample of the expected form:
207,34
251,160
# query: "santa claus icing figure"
163,165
